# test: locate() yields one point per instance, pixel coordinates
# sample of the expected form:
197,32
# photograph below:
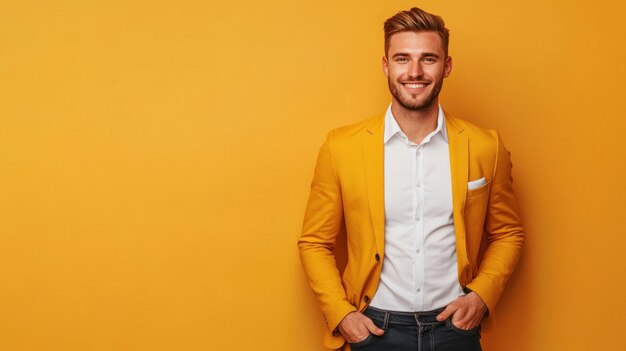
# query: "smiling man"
426,202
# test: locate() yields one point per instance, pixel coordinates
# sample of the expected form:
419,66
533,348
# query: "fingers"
356,327
462,313
372,327
470,312
466,325
466,318
463,323
450,309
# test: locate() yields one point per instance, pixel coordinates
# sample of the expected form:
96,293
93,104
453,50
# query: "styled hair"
416,20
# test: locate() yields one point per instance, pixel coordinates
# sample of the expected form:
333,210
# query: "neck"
416,124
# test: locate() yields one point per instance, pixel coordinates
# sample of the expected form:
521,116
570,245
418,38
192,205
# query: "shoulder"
471,130
478,137
352,133
354,129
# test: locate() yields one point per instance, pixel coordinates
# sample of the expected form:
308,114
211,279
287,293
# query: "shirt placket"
418,216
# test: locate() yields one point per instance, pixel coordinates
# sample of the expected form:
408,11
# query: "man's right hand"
356,326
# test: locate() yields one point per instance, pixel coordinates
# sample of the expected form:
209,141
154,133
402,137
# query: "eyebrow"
424,54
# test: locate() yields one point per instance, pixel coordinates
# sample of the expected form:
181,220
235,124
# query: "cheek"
436,71
395,73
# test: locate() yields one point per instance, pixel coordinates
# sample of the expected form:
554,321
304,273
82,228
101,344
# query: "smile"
415,85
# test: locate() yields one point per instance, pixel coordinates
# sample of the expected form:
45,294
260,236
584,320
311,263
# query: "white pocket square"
475,184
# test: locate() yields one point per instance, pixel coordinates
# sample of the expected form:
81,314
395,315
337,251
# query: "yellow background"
155,159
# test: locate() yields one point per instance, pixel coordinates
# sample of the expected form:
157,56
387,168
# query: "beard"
416,104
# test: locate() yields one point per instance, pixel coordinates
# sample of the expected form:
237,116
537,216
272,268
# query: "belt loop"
386,320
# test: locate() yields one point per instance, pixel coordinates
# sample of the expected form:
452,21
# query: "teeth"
414,86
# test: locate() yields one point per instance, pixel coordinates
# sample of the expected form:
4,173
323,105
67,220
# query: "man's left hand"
467,311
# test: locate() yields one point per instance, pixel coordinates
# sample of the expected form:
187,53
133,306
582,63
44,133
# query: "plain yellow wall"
156,157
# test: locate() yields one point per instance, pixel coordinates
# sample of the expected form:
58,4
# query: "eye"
401,59
429,59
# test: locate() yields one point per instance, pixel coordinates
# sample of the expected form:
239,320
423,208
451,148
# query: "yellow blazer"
347,196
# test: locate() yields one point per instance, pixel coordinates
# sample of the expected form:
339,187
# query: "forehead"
415,43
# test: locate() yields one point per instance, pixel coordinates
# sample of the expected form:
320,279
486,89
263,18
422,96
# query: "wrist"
337,331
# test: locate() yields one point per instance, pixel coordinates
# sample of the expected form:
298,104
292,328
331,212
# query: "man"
426,202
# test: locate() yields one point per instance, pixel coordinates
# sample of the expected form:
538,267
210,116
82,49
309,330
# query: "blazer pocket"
475,184
350,293
479,191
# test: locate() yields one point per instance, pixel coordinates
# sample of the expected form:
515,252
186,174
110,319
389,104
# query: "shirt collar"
392,127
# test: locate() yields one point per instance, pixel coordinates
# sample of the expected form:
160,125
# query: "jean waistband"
404,318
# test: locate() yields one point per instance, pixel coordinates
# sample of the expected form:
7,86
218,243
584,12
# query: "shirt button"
419,289
366,299
418,250
418,219
419,185
419,153
377,257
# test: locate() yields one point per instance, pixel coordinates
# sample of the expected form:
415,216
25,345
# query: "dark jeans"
417,331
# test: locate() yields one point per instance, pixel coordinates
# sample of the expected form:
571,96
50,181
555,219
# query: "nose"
415,70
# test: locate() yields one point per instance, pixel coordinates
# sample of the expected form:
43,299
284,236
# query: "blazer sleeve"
323,221
504,232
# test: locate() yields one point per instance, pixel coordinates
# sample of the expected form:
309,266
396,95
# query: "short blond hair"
416,20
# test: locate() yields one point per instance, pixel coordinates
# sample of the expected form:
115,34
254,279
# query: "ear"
448,67
385,66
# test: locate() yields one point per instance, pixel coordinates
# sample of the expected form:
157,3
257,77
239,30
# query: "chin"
415,104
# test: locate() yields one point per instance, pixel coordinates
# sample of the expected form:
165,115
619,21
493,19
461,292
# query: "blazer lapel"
459,163
373,153
459,167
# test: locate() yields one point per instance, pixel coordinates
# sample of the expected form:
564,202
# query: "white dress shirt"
419,270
